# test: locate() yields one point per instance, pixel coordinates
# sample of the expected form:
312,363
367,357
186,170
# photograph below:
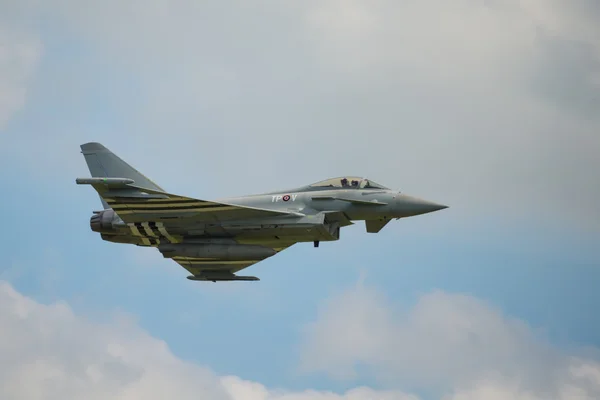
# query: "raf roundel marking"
286,197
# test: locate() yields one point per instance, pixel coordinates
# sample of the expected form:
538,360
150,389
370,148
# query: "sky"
489,107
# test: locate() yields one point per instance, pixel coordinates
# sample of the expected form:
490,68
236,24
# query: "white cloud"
48,352
453,343
245,390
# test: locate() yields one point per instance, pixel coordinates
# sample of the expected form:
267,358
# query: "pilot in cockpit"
344,182
354,183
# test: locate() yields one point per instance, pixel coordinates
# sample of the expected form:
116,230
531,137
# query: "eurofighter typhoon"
215,239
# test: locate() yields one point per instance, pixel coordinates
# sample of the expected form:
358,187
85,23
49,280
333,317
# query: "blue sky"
226,107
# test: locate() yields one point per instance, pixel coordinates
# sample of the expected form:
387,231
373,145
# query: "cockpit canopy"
348,182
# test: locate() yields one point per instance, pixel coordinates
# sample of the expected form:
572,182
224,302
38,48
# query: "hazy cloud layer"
483,105
452,344
48,352
445,342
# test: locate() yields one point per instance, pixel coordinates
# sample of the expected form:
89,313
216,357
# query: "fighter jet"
215,239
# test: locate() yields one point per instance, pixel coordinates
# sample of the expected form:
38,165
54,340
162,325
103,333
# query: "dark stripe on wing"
131,207
142,200
123,202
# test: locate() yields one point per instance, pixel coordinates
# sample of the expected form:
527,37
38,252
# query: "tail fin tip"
92,146
104,163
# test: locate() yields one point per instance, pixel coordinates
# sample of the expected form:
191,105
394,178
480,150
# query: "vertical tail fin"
104,163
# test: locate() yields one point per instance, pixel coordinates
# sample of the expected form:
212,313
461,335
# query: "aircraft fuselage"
329,211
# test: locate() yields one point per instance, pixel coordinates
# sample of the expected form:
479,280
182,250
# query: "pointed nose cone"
430,206
424,207
410,206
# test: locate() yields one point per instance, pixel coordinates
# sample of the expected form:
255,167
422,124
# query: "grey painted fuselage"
393,204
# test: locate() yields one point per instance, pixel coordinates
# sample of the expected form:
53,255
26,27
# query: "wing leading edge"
139,205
